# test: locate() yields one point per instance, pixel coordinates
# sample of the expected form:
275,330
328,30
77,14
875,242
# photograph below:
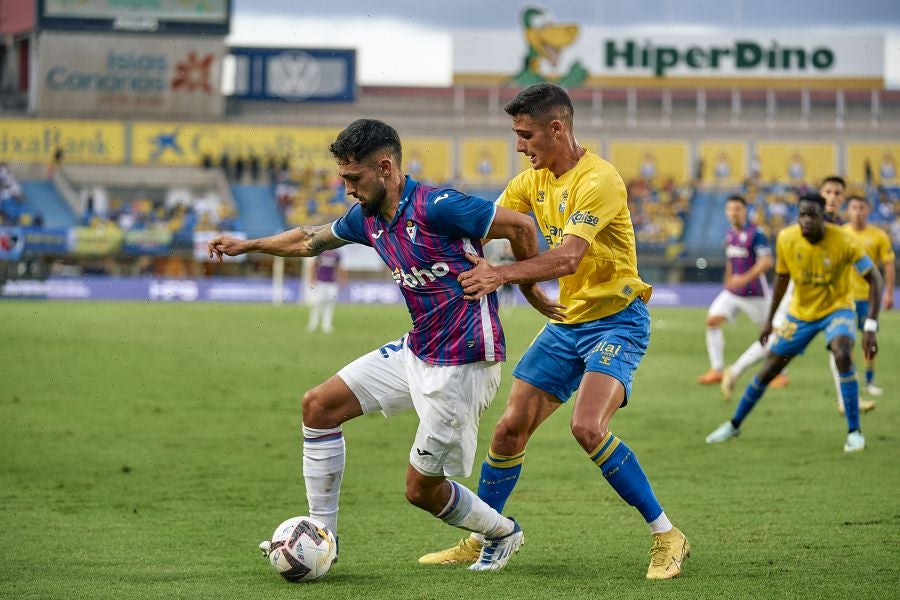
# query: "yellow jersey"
820,271
588,201
877,245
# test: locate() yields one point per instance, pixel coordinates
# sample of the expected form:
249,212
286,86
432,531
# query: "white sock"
467,511
752,355
324,454
313,318
660,524
836,376
715,347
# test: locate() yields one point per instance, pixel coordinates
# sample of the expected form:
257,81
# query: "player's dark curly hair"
542,102
364,137
813,197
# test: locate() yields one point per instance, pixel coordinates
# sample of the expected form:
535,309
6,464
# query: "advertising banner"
46,241
650,160
88,241
128,75
172,16
428,159
551,49
152,242
185,144
238,289
82,142
294,74
874,162
796,162
723,162
485,161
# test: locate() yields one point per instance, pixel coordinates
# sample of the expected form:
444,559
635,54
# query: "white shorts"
323,292
728,305
449,400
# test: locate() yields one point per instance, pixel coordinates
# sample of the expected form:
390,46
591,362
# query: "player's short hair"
364,137
542,102
736,198
858,198
835,179
813,197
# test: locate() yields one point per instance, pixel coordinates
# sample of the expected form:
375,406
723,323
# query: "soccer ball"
301,549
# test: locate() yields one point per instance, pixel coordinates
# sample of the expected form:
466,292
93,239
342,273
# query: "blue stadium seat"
258,210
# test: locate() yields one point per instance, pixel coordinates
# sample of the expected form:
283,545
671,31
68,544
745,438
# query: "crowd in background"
307,195
178,211
15,211
773,207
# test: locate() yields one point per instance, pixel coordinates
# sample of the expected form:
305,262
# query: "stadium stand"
258,209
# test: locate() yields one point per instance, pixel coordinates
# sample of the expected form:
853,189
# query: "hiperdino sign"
742,55
600,52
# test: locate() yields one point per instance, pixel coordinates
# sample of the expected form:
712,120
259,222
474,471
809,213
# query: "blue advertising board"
295,74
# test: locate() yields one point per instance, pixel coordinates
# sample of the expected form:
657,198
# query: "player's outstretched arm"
302,241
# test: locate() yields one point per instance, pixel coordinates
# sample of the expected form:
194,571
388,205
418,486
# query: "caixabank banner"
100,74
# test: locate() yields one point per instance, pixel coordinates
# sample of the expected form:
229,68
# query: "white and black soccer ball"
301,549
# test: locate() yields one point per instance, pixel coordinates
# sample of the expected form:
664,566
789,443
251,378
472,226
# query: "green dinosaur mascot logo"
545,41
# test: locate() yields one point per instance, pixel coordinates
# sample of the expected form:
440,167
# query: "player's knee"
420,496
588,435
315,410
843,359
714,321
509,438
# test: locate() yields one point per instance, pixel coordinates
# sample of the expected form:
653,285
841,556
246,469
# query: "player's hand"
734,282
869,345
887,302
479,280
765,334
542,303
224,244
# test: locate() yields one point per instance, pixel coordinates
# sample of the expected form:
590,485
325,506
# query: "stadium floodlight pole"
278,280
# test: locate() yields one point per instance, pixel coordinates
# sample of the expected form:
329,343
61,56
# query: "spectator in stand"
225,163
888,170
253,164
56,161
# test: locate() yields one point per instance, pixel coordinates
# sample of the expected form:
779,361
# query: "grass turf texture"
147,448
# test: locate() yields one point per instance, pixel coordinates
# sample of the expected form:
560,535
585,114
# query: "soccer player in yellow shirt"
816,256
878,246
598,332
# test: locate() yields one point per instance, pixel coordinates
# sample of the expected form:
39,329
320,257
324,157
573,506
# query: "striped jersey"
742,249
424,246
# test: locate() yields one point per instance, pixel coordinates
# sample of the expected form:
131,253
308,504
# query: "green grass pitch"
145,449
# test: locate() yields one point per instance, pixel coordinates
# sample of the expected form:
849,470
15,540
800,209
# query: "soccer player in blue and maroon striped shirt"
447,367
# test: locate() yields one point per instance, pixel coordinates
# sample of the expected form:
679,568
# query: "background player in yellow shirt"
817,257
877,245
599,330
